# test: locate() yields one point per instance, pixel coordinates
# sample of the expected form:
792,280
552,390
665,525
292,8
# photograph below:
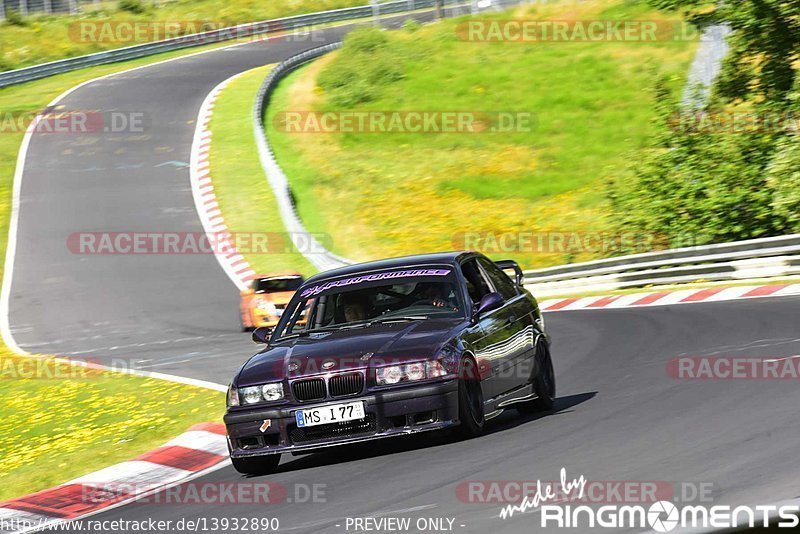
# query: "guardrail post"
375,11
23,8
2,10
48,6
439,10
73,6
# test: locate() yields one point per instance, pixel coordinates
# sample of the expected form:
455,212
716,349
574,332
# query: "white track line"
205,201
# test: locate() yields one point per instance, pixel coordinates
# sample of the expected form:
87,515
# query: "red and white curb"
666,298
194,453
205,200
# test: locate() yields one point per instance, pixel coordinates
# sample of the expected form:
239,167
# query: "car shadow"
399,444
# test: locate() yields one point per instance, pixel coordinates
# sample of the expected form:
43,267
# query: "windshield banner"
391,275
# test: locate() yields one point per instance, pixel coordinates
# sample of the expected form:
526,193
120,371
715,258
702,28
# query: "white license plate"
333,413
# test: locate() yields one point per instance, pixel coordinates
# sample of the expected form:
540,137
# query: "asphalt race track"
619,415
162,313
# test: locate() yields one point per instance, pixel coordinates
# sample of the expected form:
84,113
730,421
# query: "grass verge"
244,196
60,421
418,192
39,38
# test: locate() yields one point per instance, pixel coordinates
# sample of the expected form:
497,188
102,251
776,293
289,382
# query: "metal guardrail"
755,258
27,74
303,240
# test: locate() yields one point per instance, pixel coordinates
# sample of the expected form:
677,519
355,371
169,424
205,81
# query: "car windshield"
274,285
370,299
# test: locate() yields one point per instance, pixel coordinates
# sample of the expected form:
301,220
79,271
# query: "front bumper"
389,413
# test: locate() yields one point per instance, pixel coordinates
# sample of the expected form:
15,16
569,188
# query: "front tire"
470,400
257,465
543,384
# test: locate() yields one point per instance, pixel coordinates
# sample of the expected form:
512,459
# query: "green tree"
765,44
694,187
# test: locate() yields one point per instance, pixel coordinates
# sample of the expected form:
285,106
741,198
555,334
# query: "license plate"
333,413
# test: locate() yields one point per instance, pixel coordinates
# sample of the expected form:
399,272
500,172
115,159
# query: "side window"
477,286
501,281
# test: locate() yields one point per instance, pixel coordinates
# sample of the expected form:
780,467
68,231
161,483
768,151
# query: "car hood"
348,349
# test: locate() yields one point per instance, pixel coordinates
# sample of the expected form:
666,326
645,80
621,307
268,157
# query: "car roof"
450,258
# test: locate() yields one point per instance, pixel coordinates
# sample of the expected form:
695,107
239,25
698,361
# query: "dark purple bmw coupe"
390,348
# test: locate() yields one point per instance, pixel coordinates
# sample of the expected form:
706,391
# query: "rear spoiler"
511,265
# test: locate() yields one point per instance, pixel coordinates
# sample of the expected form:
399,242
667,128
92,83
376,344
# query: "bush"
411,25
367,62
783,177
699,188
14,18
132,6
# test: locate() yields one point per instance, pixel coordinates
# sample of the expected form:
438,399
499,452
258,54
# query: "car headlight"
410,372
233,396
272,392
255,394
389,375
251,395
435,369
266,306
415,371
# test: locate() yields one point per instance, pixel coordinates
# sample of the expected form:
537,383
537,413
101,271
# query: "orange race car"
266,298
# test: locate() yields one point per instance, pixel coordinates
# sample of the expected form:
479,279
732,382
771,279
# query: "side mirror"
489,302
262,334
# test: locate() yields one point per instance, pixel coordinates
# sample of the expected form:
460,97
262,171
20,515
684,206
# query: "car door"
493,334
519,314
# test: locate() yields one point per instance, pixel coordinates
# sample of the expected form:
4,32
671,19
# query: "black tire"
543,384
257,465
470,401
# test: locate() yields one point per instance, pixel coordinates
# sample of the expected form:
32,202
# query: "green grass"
60,422
49,37
406,193
242,191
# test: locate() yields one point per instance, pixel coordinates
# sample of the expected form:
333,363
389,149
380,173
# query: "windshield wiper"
398,319
306,333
